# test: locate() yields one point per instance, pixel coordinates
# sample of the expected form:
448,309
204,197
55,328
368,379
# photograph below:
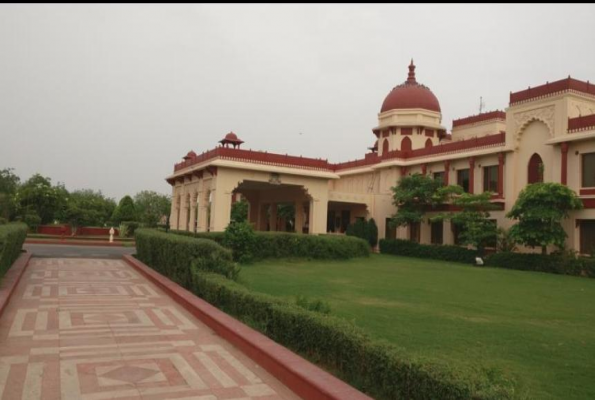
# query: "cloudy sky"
109,96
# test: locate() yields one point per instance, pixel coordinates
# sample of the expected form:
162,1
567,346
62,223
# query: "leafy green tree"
414,195
241,239
372,232
125,211
9,183
477,229
357,229
239,211
286,211
151,207
38,196
88,208
540,209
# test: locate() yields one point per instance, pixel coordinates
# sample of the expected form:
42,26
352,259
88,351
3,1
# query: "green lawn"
538,327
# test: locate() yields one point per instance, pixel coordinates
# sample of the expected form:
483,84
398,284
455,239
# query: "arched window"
406,144
429,143
385,147
535,170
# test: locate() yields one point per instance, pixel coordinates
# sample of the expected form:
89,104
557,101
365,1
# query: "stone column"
447,236
471,175
183,211
446,172
203,203
299,216
273,217
424,169
318,215
501,175
173,216
564,167
220,209
193,201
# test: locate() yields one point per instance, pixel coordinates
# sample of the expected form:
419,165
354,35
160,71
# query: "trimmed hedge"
551,263
173,255
292,245
437,252
12,237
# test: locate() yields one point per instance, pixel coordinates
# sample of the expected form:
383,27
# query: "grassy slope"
539,327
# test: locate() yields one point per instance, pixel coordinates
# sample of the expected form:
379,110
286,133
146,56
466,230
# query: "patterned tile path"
95,329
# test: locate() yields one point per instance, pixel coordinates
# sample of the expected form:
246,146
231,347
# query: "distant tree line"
38,202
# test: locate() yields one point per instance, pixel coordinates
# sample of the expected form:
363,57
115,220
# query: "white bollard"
111,235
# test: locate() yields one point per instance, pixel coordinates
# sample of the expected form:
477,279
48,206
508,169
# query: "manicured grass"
538,327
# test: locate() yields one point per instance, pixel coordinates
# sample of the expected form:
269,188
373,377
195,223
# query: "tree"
540,209
38,196
416,194
9,183
372,232
125,211
89,208
151,207
477,229
239,211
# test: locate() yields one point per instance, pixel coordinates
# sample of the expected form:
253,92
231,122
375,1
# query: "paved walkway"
95,329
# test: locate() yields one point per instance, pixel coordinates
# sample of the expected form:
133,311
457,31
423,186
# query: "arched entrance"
535,169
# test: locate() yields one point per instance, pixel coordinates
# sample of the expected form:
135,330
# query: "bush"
372,232
33,221
293,245
130,227
313,305
12,237
173,255
240,238
378,368
3,221
437,252
558,263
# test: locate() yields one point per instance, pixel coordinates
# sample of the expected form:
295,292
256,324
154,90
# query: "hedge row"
380,369
12,237
552,263
173,255
292,245
438,252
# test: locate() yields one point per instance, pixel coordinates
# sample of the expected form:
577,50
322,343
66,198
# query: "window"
463,179
437,232
535,169
490,179
588,170
390,232
406,144
587,233
439,176
414,232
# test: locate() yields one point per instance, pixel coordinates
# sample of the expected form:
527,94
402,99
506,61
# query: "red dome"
231,136
410,94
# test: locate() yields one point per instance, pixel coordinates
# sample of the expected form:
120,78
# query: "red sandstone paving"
96,329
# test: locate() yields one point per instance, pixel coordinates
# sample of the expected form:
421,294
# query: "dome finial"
411,76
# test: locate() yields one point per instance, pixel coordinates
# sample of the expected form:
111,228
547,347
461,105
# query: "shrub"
33,221
438,252
558,263
372,232
3,221
316,305
12,237
292,245
131,227
380,369
240,238
172,255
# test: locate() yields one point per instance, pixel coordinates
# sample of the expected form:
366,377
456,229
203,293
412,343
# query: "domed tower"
409,118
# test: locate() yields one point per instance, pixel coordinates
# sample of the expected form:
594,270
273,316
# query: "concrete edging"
75,243
302,377
12,278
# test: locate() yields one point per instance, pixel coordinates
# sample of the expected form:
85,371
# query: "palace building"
547,134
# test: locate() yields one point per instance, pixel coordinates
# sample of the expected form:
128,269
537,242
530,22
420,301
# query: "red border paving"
11,279
69,242
304,378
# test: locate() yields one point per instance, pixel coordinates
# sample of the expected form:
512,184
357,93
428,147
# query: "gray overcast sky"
109,96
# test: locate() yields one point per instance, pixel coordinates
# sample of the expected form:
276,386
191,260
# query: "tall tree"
416,194
474,219
88,208
9,183
239,211
151,207
125,211
38,196
540,209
